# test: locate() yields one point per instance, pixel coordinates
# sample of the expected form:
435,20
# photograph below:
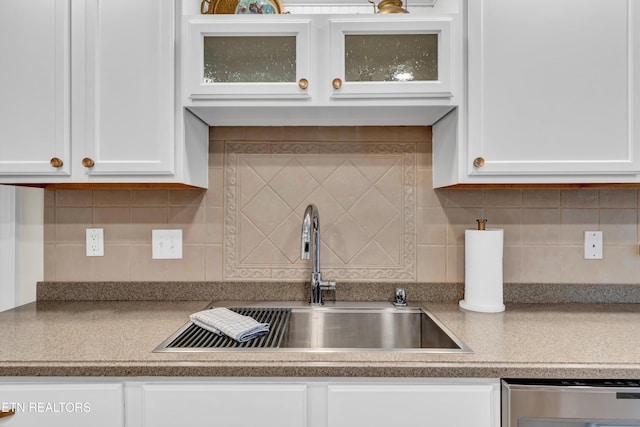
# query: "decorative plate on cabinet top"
241,7
263,7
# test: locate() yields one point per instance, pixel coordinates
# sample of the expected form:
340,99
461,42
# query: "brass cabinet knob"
303,84
10,411
337,83
478,162
88,162
56,162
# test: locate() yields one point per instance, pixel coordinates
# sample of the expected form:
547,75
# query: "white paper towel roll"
483,251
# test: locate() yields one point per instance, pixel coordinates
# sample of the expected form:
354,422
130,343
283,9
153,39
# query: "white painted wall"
21,244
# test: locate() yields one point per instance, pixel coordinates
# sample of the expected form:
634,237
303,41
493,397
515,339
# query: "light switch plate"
593,245
166,244
95,241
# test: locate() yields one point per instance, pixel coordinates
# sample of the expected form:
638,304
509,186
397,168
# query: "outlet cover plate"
166,244
593,245
95,241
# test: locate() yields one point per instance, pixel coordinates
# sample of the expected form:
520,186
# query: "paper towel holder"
481,224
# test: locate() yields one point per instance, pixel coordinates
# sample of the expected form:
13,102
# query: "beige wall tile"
619,198
150,215
376,133
376,218
455,263
214,270
226,133
264,133
574,222
426,195
579,198
538,198
50,262
111,215
509,219
214,220
186,197
431,226
111,197
510,198
189,219
619,226
214,195
71,264
432,263
49,198
190,267
74,198
541,264
461,219
541,226
464,198
512,264
413,133
149,197
114,265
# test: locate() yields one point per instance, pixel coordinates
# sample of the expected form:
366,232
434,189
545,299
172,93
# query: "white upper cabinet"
248,58
321,69
122,85
553,95
402,58
35,135
91,95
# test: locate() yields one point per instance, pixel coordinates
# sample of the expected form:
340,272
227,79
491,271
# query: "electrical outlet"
95,242
593,245
166,244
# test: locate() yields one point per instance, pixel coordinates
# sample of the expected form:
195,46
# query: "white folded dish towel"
221,321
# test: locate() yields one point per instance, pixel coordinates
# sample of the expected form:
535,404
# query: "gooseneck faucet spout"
310,244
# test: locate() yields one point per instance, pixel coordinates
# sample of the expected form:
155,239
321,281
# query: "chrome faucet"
310,243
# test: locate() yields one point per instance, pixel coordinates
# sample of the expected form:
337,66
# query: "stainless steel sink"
335,327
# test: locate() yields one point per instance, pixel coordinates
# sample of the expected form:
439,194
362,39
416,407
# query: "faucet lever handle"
401,298
328,285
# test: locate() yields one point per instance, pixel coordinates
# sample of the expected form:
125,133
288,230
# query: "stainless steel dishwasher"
570,403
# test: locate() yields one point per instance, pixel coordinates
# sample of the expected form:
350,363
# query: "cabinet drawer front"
229,405
63,405
410,405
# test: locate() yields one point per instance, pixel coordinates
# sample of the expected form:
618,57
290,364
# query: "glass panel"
249,59
391,57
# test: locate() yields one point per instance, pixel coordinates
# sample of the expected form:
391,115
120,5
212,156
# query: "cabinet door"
393,57
551,87
123,98
62,405
35,87
412,405
235,57
225,404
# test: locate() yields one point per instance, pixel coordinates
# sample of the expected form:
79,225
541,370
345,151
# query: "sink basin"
336,327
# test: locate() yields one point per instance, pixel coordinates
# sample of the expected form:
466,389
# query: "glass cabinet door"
248,59
402,57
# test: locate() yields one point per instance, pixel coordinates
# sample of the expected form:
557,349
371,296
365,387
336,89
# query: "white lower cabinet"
314,402
249,402
225,404
383,405
61,404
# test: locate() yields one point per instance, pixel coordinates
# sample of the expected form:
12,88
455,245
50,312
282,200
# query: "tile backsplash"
380,218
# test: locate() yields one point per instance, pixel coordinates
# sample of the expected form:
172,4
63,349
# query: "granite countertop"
116,338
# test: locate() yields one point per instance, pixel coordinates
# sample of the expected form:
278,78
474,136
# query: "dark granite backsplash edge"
345,291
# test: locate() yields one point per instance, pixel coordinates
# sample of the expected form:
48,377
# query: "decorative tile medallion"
365,193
